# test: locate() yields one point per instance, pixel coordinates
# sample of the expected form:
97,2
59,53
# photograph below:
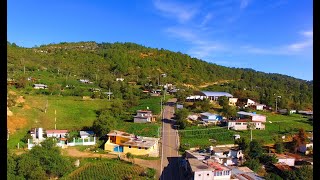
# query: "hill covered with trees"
102,63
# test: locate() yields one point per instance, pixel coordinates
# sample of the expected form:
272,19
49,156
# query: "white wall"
289,162
203,175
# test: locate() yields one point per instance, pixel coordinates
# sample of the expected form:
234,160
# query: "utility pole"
109,94
45,110
55,119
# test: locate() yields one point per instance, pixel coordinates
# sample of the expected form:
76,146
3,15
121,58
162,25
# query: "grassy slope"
71,113
287,123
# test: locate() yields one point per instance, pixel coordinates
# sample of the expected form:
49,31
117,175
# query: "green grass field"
280,125
153,103
71,113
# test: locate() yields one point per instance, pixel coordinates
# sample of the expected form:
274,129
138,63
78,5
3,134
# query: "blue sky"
273,36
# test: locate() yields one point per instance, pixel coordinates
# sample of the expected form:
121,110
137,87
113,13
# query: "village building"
122,142
40,86
244,173
252,116
212,96
223,155
86,134
233,101
210,118
283,158
207,170
57,133
144,116
242,124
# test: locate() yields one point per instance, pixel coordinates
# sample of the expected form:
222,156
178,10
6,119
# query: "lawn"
71,113
140,129
276,125
153,103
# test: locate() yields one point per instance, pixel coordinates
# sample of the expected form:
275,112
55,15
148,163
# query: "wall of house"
259,107
259,118
203,175
233,101
141,120
236,126
57,135
222,175
288,161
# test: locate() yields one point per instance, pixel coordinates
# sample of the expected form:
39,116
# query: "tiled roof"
56,131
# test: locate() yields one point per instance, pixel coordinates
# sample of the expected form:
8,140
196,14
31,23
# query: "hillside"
58,64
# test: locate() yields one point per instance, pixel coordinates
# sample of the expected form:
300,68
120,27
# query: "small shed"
208,117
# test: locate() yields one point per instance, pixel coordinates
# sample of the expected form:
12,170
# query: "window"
199,175
244,123
139,147
208,174
146,148
238,123
129,146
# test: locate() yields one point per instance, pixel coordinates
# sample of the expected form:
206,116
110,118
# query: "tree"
279,147
255,149
182,114
229,111
305,172
21,82
26,166
242,143
104,123
223,101
273,176
298,140
253,164
267,159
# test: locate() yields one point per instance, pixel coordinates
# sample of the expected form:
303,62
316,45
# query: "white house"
40,86
260,106
143,116
57,133
222,155
282,158
208,170
242,124
250,103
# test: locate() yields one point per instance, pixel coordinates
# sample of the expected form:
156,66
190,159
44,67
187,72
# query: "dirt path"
74,152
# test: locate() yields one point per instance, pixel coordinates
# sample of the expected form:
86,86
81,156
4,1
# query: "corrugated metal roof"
212,93
248,114
209,114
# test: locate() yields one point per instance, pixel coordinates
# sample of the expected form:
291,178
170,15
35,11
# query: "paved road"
170,155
